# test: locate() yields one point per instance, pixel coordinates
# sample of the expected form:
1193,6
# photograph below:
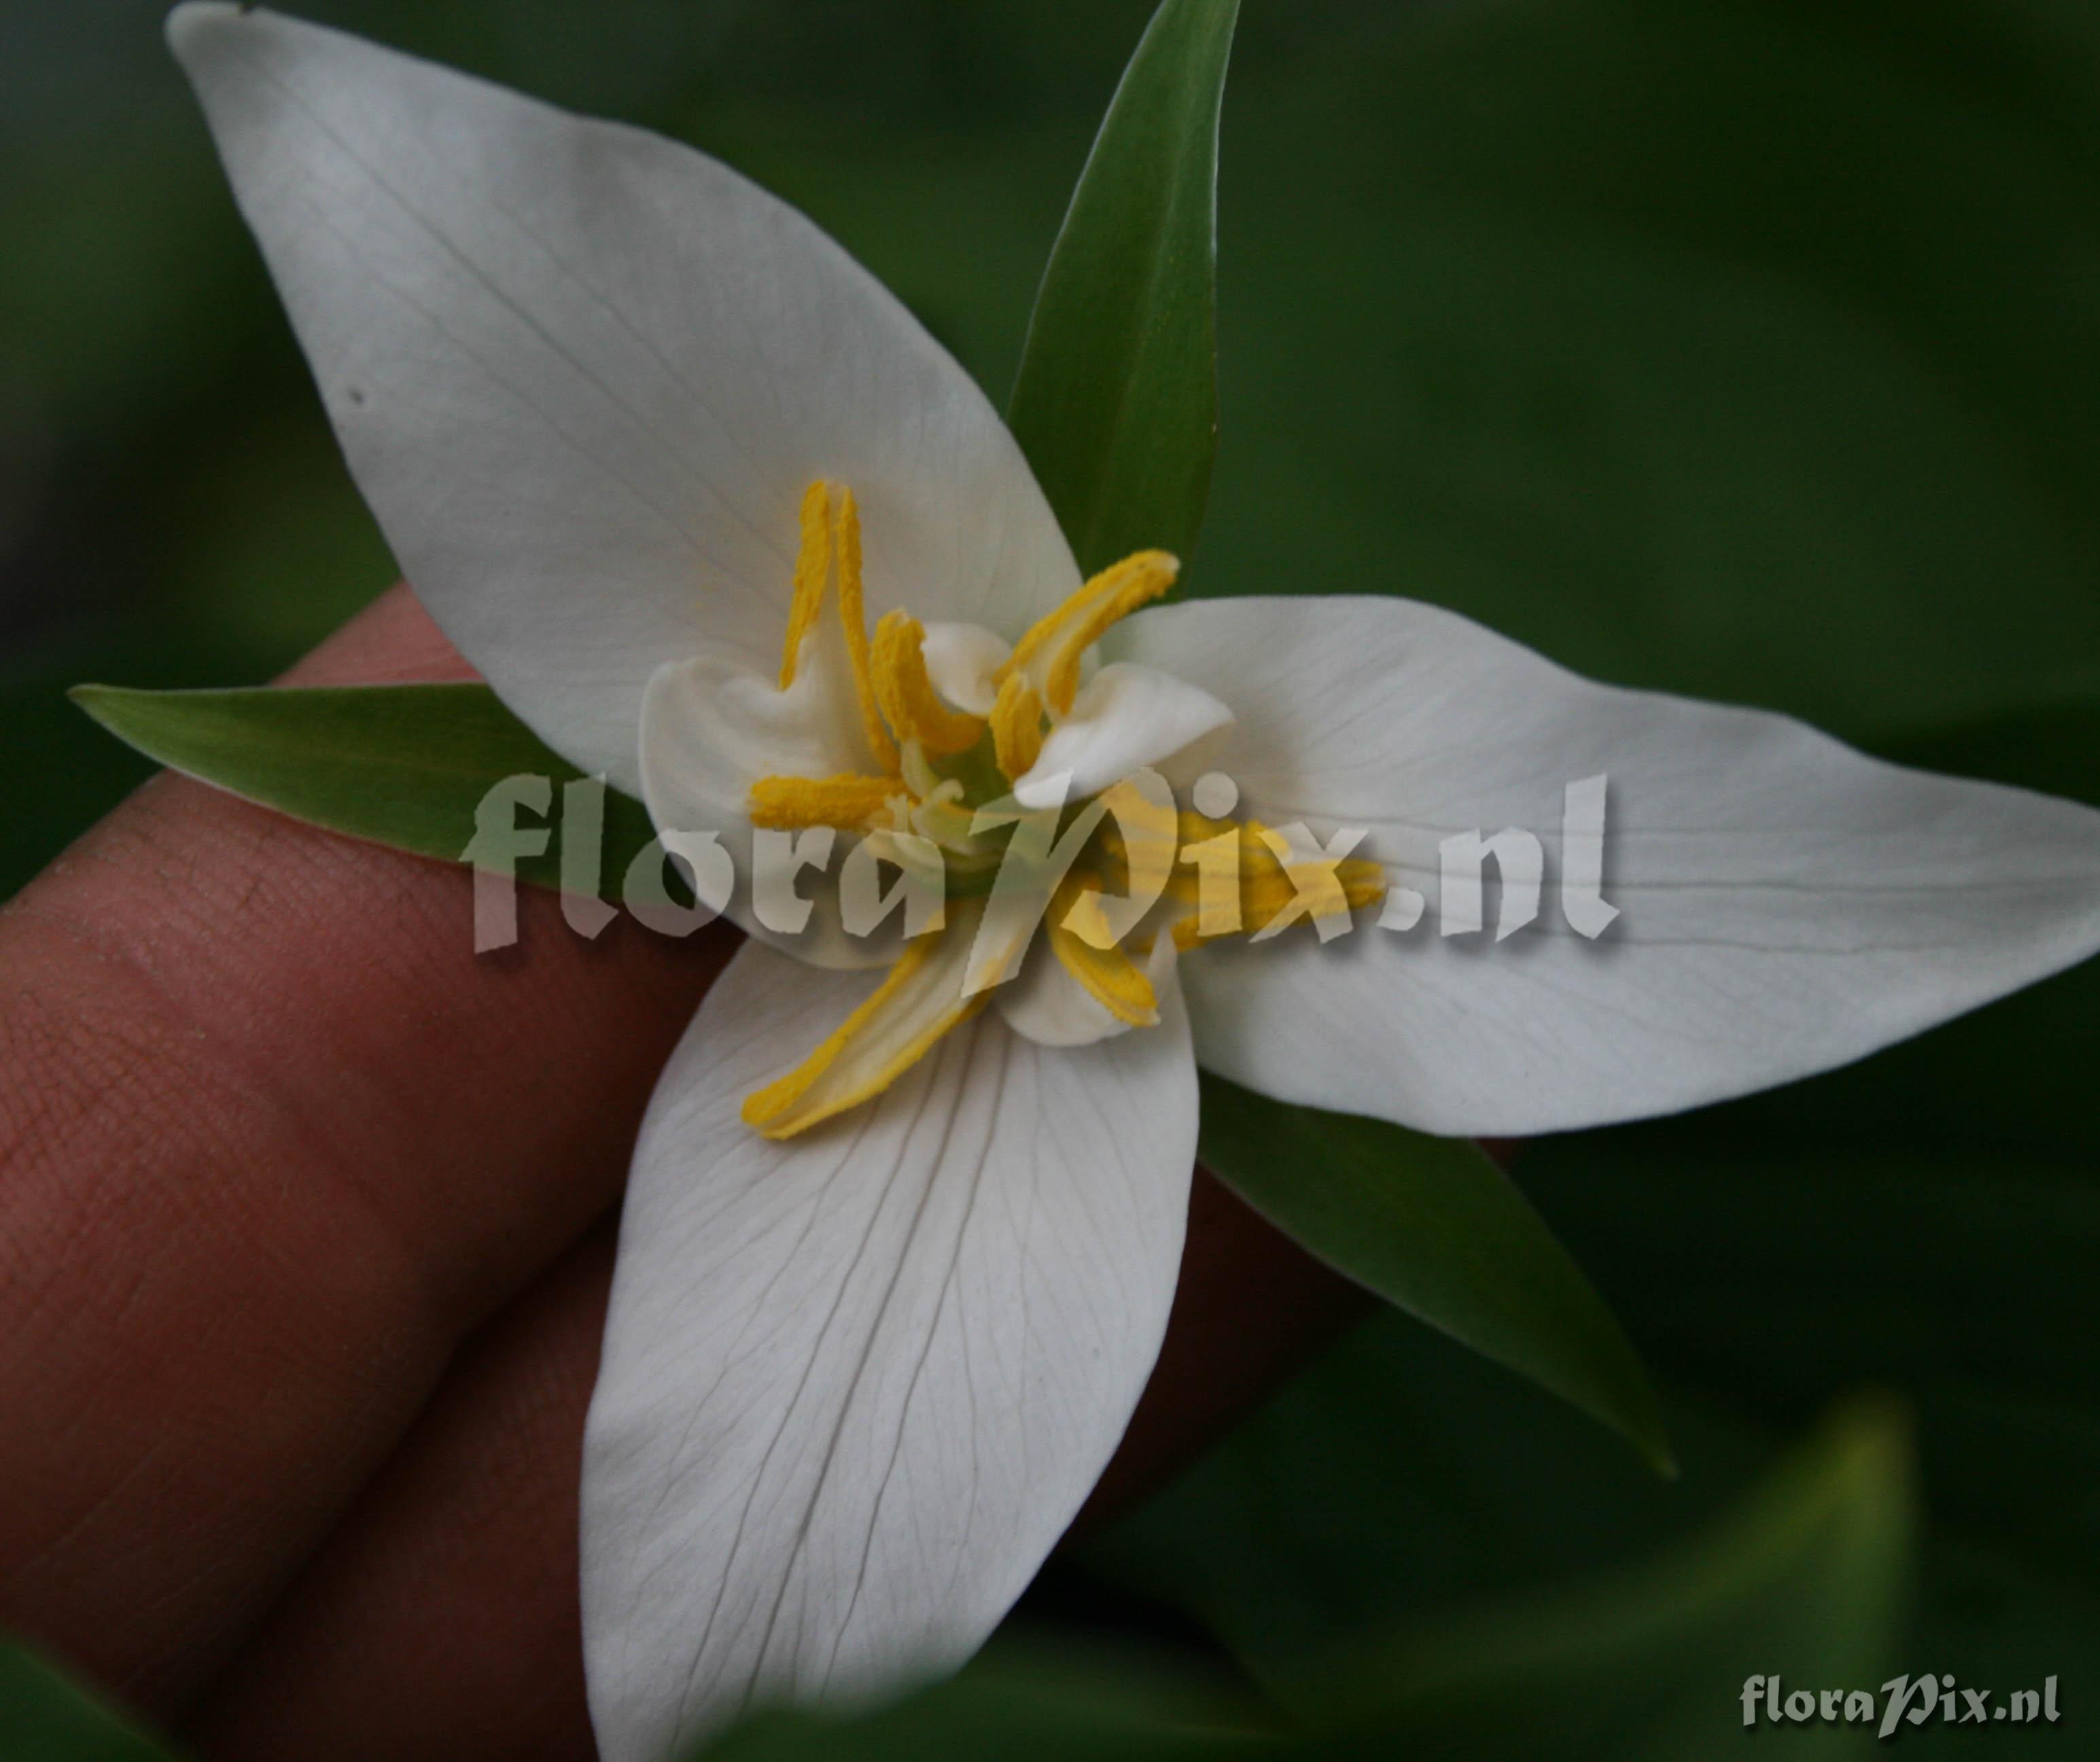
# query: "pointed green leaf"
400,765
1802,1577
44,1715
1775,1279
1804,1580
1116,406
1116,400
1431,1225
1026,1699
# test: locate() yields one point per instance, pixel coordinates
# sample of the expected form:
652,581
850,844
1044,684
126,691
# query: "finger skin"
441,1619
440,1622
271,1141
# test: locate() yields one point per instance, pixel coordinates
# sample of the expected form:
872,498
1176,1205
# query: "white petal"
1124,718
582,375
1043,1003
855,1385
960,660
711,726
1787,904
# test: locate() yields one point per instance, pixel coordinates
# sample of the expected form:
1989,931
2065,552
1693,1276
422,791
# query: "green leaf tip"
46,1715
403,766
1433,1226
1804,1575
1115,403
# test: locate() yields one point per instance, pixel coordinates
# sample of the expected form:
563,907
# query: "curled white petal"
711,726
855,1385
1043,1003
1786,904
960,660
1125,717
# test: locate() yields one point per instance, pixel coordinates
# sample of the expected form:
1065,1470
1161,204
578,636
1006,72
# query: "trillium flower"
720,521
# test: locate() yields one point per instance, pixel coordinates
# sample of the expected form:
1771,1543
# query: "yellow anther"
1266,886
812,563
908,725
1017,726
1132,857
1044,631
786,803
921,999
905,693
1214,887
1107,974
1077,907
1144,833
845,533
918,1003
1061,678
1049,654
1353,882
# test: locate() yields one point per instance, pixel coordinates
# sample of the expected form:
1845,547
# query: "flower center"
935,767
935,764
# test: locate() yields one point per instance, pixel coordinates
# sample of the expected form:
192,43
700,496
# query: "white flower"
625,420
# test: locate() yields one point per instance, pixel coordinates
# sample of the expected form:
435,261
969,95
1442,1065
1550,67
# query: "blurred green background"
1748,348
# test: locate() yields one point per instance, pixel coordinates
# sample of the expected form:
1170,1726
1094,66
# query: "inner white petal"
711,727
960,660
1043,1003
1126,716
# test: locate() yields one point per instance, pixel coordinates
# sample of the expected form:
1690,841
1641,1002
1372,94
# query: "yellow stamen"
1107,974
1267,886
1049,654
1040,634
847,801
1062,678
846,539
920,1001
905,693
1346,888
908,725
812,563
1017,726
1133,855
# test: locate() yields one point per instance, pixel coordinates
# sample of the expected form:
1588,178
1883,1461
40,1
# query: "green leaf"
1116,406
1018,1702
1116,402
44,1715
1802,1577
1399,1481
1804,1580
400,765
1779,1280
1431,1225
1399,1476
